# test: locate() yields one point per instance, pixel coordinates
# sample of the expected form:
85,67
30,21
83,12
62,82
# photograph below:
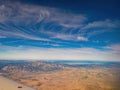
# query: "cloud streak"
103,24
58,54
36,19
18,34
30,16
34,25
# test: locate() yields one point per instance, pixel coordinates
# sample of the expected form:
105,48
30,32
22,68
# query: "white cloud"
103,24
17,34
62,23
64,37
99,27
32,14
1,36
70,37
115,47
58,53
80,38
68,20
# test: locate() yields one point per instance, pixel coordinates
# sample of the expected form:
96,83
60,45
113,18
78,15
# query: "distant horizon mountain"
9,66
37,66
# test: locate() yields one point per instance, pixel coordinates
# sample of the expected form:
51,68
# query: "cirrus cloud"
36,53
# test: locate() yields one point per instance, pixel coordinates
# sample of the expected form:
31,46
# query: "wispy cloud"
22,52
115,47
103,24
2,36
100,27
16,34
38,19
52,27
31,16
70,37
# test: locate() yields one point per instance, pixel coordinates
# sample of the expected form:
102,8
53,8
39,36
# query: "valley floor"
73,79
44,76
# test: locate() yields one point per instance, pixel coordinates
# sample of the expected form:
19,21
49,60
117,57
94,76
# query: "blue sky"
60,30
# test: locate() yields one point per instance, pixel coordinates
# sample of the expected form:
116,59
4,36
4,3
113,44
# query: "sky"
60,30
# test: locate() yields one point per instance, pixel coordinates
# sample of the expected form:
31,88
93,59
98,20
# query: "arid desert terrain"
44,76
